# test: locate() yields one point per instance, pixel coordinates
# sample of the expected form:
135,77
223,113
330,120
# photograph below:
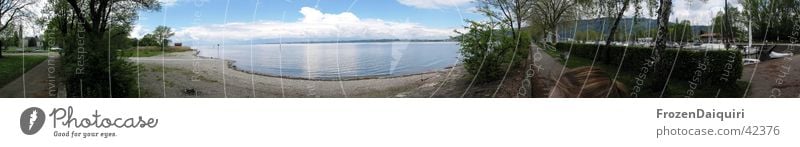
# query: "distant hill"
364,41
625,24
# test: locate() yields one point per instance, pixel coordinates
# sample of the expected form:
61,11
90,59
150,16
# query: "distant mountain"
625,24
363,41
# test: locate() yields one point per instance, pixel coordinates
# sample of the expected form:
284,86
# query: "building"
710,38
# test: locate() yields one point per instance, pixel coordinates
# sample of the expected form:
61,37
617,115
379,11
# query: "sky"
273,20
699,12
240,20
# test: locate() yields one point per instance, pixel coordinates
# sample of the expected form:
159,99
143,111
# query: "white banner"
397,122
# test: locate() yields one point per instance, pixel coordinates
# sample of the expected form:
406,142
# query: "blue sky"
309,19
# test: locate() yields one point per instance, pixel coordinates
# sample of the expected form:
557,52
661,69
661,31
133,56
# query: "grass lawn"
149,51
676,88
11,66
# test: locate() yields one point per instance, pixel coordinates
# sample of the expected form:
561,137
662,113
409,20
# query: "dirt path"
553,70
39,82
774,78
457,84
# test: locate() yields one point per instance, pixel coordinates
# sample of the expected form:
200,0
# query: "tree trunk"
727,37
2,48
614,30
661,44
554,35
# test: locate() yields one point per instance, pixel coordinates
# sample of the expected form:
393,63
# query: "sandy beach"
183,74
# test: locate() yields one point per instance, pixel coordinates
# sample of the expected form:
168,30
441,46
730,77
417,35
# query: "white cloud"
314,24
138,31
433,4
698,12
168,3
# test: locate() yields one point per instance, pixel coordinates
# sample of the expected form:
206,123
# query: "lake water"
355,60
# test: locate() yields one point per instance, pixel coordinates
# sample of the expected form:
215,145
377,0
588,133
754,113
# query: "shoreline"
231,66
190,76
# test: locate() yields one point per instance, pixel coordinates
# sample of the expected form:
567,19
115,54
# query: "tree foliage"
510,13
10,12
549,15
772,20
488,51
162,34
99,28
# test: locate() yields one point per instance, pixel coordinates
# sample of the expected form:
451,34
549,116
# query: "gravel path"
774,78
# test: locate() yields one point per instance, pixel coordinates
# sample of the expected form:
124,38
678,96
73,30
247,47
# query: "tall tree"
730,24
162,35
95,69
10,12
550,14
772,20
728,34
616,8
664,10
512,13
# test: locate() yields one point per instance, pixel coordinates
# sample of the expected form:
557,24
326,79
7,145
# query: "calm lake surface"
355,60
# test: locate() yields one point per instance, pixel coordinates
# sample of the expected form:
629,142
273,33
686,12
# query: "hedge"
721,64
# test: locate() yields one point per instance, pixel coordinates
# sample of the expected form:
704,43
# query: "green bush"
91,69
488,52
721,69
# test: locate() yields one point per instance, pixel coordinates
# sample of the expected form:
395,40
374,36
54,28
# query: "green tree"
162,34
10,37
148,40
14,10
32,42
549,15
615,9
772,20
681,32
511,15
92,66
487,51
588,35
